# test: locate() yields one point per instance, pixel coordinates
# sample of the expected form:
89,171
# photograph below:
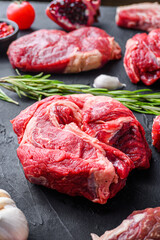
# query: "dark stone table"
52,215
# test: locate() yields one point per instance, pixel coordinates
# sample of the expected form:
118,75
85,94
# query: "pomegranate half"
73,14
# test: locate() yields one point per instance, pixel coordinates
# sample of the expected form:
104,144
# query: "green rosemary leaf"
39,86
4,97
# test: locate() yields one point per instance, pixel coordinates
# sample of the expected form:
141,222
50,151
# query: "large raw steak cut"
57,51
80,145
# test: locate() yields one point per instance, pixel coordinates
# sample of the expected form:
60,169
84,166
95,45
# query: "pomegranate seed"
5,29
74,11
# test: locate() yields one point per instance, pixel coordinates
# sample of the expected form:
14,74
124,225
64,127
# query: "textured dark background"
52,215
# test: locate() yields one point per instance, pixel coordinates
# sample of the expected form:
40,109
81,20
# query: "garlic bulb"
109,82
13,224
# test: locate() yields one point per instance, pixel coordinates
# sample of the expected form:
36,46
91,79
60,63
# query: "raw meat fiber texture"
141,60
140,225
55,51
80,145
156,132
143,16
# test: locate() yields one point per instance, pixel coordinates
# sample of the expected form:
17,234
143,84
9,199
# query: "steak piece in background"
156,133
140,225
141,60
56,152
143,16
55,51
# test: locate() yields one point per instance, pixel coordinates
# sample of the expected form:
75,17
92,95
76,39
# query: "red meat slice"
140,225
57,51
56,152
156,132
141,60
143,16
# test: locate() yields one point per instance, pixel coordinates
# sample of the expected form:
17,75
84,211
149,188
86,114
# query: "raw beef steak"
156,132
140,225
59,150
143,16
141,60
57,51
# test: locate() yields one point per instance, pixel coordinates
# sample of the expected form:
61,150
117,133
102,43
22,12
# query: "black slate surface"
55,216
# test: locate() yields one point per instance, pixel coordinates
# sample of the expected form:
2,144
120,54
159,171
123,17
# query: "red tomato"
22,13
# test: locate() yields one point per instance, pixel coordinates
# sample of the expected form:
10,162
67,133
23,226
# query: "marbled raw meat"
143,16
140,225
56,51
142,57
58,150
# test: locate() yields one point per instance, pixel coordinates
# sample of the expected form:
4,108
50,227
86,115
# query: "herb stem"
39,86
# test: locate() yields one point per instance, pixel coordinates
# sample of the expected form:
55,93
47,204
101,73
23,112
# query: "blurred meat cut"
140,225
142,57
156,132
143,16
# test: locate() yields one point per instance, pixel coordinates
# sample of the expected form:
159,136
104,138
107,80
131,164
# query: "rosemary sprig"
39,86
4,97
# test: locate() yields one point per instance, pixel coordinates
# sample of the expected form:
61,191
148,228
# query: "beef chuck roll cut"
141,60
140,225
60,52
61,145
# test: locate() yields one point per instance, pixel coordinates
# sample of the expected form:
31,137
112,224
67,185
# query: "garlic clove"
3,193
108,82
13,225
6,202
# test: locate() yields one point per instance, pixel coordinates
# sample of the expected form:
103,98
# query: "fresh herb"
39,86
4,97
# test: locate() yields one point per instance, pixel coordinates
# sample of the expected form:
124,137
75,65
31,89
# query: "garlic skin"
108,82
13,223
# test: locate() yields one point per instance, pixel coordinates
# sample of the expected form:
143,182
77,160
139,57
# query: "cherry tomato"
22,13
